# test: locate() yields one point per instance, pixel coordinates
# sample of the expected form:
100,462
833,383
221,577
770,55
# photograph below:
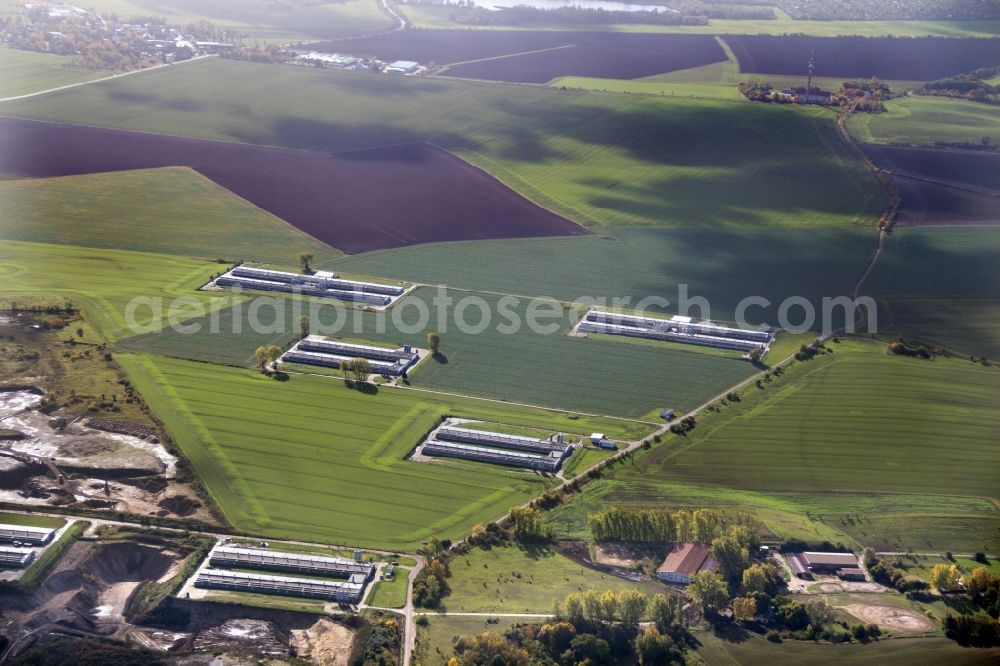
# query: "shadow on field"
536,551
325,135
362,387
730,632
440,358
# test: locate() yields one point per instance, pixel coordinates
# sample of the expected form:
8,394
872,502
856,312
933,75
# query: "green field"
173,211
566,150
31,520
756,651
390,593
436,638
103,282
887,522
591,375
708,90
862,407
25,72
924,120
436,16
850,446
312,459
515,580
957,304
283,22
723,266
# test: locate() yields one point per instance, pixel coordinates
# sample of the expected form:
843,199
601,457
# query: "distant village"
118,44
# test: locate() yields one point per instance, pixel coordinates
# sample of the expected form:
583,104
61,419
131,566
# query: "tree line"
664,525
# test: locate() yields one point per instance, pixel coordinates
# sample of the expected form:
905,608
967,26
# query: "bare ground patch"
886,617
325,643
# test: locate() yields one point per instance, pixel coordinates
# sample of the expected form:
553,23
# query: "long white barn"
343,591
678,329
252,558
321,285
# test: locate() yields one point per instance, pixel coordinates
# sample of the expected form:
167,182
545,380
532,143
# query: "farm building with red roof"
684,561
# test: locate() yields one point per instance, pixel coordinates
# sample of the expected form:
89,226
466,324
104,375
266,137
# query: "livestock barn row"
545,455
502,440
36,536
678,329
315,350
323,285
549,463
341,591
16,558
252,558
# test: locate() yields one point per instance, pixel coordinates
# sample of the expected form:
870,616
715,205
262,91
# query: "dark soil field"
355,201
539,56
973,169
925,203
942,187
901,58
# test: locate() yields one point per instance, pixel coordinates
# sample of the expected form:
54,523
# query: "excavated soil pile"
129,562
243,633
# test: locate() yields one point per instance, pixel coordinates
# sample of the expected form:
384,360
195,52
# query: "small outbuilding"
852,573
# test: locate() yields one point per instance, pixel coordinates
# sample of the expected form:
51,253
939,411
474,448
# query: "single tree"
732,556
654,649
434,342
303,326
361,369
261,355
945,577
756,579
662,609
305,261
609,606
274,352
979,580
573,606
709,590
744,609
631,605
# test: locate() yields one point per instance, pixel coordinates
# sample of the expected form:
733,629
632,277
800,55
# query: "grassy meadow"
103,282
25,72
513,579
708,90
390,593
955,305
436,638
314,459
855,445
923,120
566,150
171,211
756,651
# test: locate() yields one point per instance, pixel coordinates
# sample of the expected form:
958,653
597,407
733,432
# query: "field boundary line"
106,78
506,55
945,183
